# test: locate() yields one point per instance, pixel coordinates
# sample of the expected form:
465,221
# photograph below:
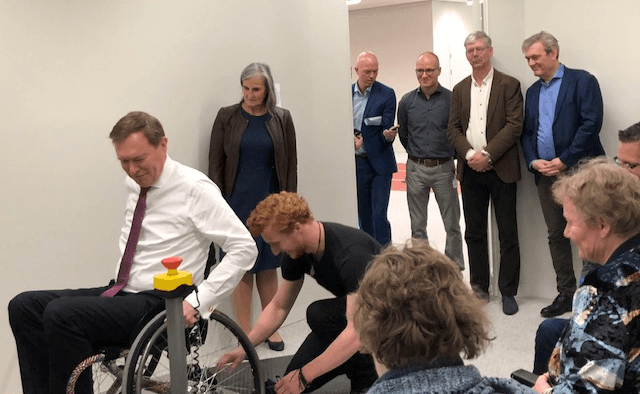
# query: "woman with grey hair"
253,154
598,351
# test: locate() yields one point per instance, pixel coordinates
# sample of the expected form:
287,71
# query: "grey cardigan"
445,376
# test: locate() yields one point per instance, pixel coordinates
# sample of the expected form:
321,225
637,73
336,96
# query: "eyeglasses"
429,71
624,164
480,50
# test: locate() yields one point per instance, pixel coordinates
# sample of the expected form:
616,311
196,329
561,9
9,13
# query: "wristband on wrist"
303,381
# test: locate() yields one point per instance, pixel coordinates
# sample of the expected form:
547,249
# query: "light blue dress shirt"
546,110
359,104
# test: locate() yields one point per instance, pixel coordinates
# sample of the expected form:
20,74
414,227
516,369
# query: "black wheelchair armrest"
525,377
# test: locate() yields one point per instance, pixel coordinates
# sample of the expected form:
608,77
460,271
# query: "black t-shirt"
347,253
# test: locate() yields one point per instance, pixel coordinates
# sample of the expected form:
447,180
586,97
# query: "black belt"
429,162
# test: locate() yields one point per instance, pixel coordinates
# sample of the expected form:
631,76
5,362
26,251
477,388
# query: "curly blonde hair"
282,211
413,305
603,192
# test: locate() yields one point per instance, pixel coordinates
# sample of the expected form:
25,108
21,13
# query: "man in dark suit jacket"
485,124
563,117
374,109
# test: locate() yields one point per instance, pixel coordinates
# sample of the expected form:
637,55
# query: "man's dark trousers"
477,189
559,246
55,330
374,191
327,319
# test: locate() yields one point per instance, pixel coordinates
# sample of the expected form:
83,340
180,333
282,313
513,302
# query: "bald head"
427,72
427,56
367,70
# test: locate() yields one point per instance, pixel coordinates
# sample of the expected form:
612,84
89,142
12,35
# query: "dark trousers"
373,200
547,336
55,330
477,189
559,246
327,319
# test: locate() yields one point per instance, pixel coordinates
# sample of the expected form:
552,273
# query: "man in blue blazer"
374,109
563,117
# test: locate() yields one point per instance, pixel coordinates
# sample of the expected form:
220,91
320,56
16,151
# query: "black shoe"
276,346
560,305
509,305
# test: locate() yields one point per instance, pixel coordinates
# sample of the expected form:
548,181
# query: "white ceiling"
383,3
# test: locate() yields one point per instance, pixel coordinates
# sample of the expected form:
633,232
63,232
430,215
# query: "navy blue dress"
256,178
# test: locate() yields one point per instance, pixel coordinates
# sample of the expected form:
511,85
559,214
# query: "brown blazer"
224,149
504,124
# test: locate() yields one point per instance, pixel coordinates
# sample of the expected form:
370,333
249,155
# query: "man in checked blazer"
563,117
374,111
485,124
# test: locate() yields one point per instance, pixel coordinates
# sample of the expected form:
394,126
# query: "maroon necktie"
132,242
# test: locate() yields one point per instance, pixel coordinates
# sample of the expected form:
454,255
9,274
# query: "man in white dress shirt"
185,212
485,123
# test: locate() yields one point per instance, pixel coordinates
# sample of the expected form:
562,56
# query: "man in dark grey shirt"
423,115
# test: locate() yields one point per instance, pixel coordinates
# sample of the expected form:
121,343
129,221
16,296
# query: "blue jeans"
547,336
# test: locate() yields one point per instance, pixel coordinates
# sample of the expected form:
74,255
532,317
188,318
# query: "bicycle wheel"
147,367
105,373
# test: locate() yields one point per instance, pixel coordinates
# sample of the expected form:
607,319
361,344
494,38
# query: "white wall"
452,23
71,69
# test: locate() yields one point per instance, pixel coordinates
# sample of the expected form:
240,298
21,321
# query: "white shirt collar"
486,79
165,175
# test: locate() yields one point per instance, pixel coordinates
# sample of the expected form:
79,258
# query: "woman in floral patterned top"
598,351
